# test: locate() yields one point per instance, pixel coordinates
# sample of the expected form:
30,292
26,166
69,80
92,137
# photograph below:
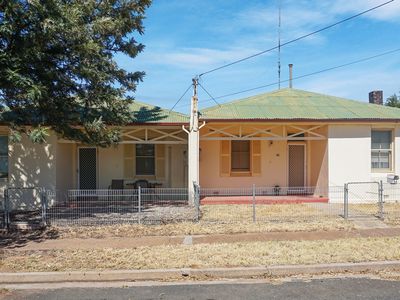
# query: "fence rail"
207,205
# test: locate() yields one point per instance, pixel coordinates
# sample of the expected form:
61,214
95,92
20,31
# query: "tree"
57,67
393,101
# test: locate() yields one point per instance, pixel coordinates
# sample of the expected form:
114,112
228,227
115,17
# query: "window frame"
145,156
390,151
241,171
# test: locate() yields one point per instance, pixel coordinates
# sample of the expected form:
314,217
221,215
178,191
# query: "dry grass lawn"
391,211
208,255
280,212
136,230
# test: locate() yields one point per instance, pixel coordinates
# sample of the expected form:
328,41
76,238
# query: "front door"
87,168
297,162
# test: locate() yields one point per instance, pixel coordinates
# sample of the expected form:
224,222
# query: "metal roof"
293,104
146,113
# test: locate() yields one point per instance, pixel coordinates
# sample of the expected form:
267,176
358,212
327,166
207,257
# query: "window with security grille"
381,149
145,159
3,156
240,156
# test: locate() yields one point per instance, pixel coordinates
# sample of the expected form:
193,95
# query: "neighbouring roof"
293,104
146,113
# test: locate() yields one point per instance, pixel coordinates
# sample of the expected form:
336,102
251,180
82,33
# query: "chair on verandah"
116,192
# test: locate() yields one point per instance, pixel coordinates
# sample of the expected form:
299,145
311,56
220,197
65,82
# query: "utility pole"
193,143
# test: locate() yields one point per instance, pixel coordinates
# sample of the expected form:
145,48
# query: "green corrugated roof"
146,113
293,104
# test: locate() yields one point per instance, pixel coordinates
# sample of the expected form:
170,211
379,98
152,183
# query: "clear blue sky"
187,37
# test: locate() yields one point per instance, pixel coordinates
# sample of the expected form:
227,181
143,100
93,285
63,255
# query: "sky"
184,38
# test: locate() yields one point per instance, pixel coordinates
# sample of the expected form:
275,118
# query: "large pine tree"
57,66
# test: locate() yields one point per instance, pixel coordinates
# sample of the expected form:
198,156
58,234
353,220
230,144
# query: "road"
342,288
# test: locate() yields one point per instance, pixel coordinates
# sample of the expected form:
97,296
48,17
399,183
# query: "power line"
209,94
183,95
295,40
306,75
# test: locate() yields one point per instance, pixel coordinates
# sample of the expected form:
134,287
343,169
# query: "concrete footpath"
7,280
127,242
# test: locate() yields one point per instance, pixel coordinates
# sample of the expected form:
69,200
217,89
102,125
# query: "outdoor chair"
116,184
142,183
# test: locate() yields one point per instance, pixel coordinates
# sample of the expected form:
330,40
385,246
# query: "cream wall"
273,166
65,167
111,166
349,148
31,165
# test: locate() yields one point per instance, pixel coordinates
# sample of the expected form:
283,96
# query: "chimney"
376,97
290,76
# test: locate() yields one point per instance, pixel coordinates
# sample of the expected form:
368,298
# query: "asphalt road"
343,288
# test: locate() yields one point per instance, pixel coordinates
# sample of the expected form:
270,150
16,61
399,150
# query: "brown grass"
281,212
209,255
135,230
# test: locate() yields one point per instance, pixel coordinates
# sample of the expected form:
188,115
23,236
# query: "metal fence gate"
363,199
15,210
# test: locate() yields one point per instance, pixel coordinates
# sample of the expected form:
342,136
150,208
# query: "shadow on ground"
18,238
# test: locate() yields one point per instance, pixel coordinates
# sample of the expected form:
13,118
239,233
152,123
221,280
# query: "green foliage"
57,69
393,101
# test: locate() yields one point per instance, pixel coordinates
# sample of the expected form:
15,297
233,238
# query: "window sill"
381,171
241,174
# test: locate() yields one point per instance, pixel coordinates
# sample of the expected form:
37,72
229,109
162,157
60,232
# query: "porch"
290,159
149,157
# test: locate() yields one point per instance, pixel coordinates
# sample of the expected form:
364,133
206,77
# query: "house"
292,138
288,138
153,148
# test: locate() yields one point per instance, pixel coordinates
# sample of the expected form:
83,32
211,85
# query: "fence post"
346,201
139,204
381,216
43,198
6,212
254,203
196,189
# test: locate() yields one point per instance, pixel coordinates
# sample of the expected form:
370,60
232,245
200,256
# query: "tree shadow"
144,114
12,239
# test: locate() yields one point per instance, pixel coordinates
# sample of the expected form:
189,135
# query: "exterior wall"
65,167
318,164
273,166
110,165
349,148
31,165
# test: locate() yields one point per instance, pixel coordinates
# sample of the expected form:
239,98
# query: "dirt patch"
208,255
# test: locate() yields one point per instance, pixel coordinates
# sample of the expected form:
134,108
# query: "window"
240,156
145,161
3,157
381,149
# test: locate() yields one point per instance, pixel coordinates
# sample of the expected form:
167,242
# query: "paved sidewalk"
121,242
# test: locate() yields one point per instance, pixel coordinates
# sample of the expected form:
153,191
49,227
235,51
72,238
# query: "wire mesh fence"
207,205
269,204
105,207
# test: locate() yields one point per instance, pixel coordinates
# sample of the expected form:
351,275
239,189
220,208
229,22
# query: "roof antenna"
279,43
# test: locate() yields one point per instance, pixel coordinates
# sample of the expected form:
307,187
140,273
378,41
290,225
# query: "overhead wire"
304,75
296,39
209,94
180,98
